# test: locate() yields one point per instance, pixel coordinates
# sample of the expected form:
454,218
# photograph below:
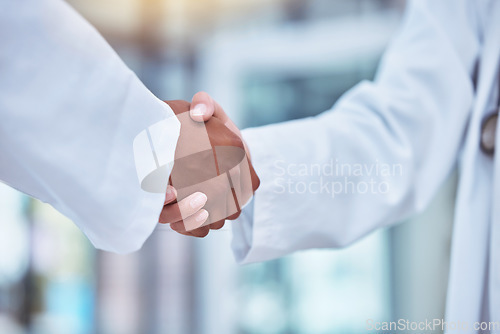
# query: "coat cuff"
255,237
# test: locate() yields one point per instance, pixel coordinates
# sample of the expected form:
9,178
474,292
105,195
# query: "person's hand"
225,190
193,212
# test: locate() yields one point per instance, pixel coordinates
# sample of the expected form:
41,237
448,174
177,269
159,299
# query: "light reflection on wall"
14,237
46,269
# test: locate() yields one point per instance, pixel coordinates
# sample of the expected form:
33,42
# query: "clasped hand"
213,176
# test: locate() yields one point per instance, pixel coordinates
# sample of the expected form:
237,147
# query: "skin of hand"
203,107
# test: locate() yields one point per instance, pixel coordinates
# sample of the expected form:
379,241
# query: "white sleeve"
403,132
70,111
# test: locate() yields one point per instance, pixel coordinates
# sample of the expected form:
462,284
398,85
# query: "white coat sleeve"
379,155
69,113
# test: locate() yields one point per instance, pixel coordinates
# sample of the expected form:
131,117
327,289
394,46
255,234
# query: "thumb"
203,107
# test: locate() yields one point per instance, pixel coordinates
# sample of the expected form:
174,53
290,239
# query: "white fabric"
70,110
422,113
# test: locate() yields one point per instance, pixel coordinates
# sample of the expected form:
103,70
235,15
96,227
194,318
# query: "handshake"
213,177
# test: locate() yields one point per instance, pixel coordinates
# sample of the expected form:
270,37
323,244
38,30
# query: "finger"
187,207
183,233
198,233
234,216
217,225
191,223
187,234
201,232
171,194
202,107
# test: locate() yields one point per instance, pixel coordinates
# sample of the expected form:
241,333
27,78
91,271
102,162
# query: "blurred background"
265,61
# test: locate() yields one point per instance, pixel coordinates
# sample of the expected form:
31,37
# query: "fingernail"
198,222
199,110
202,216
198,201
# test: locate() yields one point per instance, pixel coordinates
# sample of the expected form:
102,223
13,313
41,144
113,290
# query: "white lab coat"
69,113
423,113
